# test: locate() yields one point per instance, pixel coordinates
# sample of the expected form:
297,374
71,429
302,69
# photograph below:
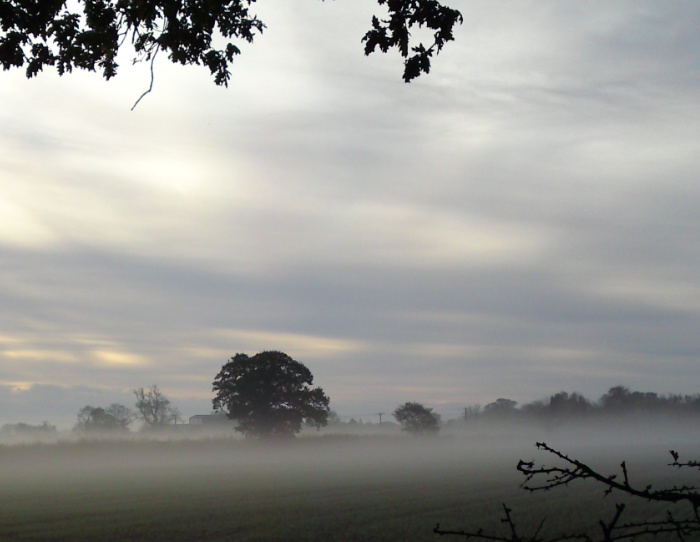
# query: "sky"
522,220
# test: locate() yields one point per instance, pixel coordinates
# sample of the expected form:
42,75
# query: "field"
327,488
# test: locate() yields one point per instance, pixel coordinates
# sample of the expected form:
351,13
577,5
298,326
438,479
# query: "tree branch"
682,529
150,88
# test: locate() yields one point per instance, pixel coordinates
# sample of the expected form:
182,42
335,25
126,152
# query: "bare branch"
577,470
681,529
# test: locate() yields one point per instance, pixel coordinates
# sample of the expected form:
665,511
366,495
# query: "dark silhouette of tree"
269,395
561,407
501,407
568,404
618,402
123,415
417,419
620,399
396,32
681,525
154,407
88,34
116,417
616,399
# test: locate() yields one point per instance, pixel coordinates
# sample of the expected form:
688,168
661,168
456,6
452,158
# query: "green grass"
334,489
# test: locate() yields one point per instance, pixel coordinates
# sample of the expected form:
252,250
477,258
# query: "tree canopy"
116,417
500,407
269,395
88,34
417,419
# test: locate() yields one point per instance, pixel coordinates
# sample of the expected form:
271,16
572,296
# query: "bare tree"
155,408
683,525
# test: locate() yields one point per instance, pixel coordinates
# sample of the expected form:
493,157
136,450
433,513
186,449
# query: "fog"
482,447
397,484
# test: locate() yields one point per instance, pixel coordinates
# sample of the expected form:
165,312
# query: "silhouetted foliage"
88,34
564,407
619,399
681,525
116,417
569,404
396,32
269,395
154,407
501,407
417,419
561,406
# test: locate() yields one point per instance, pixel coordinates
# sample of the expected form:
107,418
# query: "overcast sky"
521,221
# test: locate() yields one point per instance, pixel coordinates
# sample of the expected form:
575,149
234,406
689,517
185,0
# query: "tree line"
564,407
152,407
268,395
271,395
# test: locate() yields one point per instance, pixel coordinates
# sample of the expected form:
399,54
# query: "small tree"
116,417
155,408
269,395
567,405
417,419
501,407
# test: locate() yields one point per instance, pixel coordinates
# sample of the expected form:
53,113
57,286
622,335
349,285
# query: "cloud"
518,222
30,404
305,346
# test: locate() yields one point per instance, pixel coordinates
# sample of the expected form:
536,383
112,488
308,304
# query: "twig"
150,88
685,529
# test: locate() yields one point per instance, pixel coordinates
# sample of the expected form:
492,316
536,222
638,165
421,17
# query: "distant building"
209,419
198,419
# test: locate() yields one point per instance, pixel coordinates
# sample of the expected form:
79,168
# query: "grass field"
378,489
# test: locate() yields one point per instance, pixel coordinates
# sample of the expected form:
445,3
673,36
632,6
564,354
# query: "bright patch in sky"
118,358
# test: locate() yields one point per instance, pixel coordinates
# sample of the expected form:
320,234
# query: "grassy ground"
337,489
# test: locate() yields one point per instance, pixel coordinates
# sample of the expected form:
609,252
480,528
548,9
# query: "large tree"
269,395
88,34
